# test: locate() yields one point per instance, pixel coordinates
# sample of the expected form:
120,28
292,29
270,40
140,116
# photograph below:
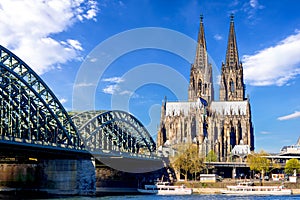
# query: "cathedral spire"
232,58
201,71
232,86
201,52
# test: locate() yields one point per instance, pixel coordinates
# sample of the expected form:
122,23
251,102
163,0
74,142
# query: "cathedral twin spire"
231,84
232,58
201,53
201,72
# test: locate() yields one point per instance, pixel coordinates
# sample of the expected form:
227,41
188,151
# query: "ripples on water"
190,197
202,197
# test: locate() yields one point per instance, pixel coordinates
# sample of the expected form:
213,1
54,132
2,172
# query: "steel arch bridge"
114,132
30,112
31,115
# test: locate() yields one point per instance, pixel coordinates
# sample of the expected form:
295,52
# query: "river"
189,197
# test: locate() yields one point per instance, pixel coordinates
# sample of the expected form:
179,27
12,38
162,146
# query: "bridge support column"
233,172
70,177
86,177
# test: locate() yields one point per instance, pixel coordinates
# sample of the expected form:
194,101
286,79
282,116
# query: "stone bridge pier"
53,176
82,175
63,176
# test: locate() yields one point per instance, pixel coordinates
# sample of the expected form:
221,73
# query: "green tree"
196,161
292,166
274,166
187,161
180,161
211,157
257,162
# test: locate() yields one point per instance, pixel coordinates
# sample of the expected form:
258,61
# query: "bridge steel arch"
114,132
29,111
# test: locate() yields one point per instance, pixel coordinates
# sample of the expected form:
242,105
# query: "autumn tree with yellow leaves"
257,162
187,161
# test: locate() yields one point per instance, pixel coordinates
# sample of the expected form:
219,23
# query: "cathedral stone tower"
216,126
201,84
232,86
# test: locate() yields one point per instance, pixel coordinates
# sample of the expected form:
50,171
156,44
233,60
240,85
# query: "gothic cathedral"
213,125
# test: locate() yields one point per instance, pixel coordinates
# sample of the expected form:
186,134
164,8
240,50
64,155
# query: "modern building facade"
213,125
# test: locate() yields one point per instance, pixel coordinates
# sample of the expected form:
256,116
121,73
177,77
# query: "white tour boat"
248,188
164,188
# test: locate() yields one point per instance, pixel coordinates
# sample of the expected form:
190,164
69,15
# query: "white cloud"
294,115
113,80
84,84
218,37
63,100
27,29
276,65
264,132
250,8
115,89
255,4
111,89
75,44
92,60
126,92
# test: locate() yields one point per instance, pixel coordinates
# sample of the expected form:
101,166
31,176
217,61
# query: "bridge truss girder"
29,111
112,132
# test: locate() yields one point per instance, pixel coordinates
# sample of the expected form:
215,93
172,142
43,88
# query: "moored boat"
248,188
164,188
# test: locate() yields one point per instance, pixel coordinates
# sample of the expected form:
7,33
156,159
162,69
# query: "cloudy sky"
56,38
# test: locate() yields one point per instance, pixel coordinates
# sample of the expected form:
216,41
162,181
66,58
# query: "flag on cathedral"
202,101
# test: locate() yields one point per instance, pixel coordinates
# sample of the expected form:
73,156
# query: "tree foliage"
257,162
211,157
187,161
292,166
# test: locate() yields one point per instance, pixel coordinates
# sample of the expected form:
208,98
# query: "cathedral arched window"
240,131
231,86
232,137
192,82
200,86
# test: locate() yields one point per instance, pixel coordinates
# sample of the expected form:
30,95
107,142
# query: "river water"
189,197
156,197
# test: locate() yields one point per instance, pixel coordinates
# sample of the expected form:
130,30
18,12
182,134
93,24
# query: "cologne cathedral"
214,125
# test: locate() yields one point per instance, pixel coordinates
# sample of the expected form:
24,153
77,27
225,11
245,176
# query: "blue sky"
56,37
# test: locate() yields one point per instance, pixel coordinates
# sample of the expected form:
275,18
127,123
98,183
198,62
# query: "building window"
200,86
231,86
193,82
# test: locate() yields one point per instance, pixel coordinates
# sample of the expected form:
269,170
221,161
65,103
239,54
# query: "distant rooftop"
241,150
291,149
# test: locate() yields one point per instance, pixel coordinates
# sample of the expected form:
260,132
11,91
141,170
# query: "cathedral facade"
213,125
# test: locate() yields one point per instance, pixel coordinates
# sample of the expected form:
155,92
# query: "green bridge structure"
58,151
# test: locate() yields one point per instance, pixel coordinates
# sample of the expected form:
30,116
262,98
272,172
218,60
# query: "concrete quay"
217,191
296,191
206,190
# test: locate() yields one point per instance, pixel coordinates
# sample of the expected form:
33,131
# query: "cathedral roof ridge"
230,107
234,101
177,108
